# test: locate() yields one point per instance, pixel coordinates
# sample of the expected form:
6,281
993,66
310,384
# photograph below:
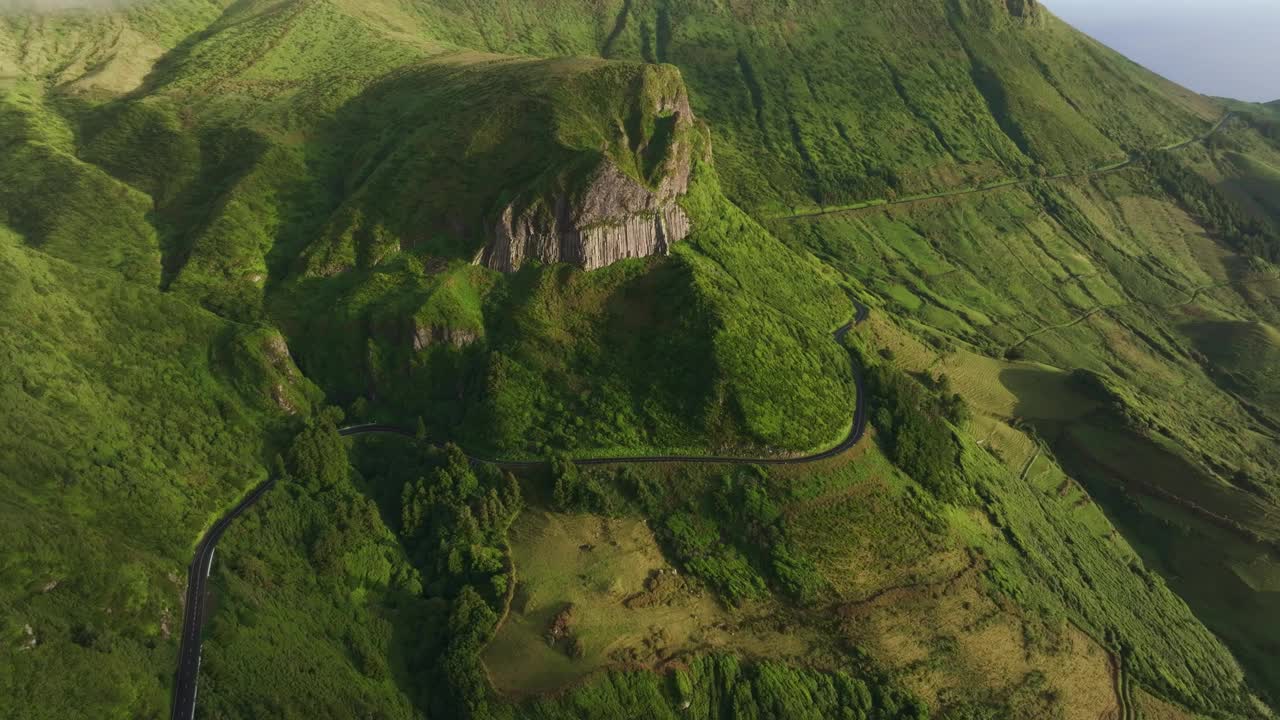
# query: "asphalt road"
184,686
856,430
193,619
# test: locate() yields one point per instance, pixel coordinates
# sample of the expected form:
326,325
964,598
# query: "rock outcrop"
1000,14
1025,10
424,336
611,216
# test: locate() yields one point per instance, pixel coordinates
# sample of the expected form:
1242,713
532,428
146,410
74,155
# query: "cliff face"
617,218
424,336
610,216
1000,14
1026,9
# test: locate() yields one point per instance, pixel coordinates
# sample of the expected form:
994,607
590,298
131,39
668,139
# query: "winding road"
188,671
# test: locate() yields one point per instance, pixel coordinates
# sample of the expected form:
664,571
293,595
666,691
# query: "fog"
1228,48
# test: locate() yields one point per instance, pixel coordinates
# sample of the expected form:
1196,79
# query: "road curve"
193,619
856,430
184,685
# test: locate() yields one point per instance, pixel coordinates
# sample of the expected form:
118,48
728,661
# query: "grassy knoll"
630,607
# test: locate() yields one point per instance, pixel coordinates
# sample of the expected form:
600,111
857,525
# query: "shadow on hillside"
1182,544
1045,395
430,153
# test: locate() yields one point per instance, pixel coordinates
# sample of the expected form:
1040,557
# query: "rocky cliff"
999,14
611,215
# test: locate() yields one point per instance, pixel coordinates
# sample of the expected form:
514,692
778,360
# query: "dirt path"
881,203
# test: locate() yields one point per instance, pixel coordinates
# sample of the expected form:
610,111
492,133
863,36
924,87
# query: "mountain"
630,228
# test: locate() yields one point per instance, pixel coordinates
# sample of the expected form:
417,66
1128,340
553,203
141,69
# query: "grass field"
207,206
631,608
1247,354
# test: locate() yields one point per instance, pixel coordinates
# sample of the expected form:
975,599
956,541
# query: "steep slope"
134,420
850,102
429,212
265,210
98,52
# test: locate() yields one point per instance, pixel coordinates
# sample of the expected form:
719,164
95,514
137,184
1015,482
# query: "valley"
503,352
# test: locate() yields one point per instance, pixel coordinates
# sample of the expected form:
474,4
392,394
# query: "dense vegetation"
723,528
1246,233
133,421
217,218
914,427
718,688
390,597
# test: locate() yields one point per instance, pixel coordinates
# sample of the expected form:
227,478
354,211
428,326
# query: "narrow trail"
1026,469
913,586
1192,295
188,672
881,203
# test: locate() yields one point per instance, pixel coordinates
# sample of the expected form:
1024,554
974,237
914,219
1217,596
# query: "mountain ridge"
302,188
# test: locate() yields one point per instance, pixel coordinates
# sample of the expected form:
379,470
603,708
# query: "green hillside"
549,229
1249,353
135,420
848,103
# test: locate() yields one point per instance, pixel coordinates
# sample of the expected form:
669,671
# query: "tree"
564,495
318,456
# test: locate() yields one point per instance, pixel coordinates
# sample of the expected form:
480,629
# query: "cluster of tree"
701,546
1223,218
1266,125
950,403
744,506
856,184
575,491
729,532
315,562
915,428
454,524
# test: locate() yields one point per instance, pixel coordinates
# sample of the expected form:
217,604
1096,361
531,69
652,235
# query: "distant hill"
545,228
